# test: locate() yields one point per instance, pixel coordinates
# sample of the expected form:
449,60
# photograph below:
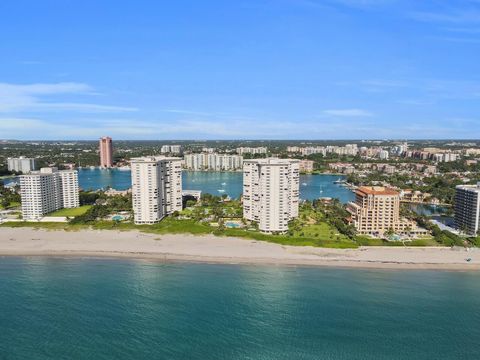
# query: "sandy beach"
212,249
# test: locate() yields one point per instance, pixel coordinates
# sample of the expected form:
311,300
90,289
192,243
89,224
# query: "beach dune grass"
175,226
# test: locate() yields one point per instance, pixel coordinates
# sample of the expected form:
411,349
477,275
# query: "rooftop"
475,188
376,190
156,158
271,161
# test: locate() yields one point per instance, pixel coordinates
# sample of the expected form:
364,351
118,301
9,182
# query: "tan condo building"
376,211
306,166
271,193
156,188
106,152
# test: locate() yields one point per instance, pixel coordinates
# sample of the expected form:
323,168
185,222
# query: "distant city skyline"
251,69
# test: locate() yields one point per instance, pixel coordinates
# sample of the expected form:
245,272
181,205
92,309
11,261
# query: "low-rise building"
306,166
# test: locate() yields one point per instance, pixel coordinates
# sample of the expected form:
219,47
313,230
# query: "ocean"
56,308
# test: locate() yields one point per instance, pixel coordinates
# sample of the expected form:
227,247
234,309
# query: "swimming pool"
231,224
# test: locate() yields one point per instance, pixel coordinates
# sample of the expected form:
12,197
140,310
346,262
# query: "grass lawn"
289,240
369,241
11,206
71,212
174,226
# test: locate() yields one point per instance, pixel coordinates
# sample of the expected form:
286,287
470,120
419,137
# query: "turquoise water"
230,224
217,183
111,309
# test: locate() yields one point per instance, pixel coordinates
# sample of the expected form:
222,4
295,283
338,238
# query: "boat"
339,181
221,190
304,184
223,184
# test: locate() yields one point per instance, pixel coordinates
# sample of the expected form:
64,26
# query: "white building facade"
21,164
156,188
271,193
171,149
48,190
251,150
216,162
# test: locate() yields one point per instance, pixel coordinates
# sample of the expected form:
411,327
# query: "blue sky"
243,69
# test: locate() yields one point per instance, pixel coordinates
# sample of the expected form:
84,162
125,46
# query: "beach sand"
227,250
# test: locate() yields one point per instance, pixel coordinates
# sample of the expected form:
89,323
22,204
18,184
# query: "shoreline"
27,242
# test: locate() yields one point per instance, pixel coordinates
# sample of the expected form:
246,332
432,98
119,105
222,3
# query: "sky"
243,69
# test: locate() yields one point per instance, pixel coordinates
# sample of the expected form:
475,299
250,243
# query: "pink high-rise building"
106,152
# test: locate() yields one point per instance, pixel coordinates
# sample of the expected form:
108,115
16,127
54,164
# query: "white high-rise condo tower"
48,190
271,193
156,188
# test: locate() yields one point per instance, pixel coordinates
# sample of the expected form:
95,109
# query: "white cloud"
327,128
31,97
348,112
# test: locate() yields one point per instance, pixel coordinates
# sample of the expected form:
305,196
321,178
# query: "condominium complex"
376,210
467,208
251,150
217,162
445,157
48,190
306,166
171,149
21,164
106,152
348,149
156,188
383,154
400,149
271,193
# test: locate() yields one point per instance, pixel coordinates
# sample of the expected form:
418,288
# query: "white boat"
221,190
223,184
304,184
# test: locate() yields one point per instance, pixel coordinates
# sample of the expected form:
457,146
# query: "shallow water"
55,308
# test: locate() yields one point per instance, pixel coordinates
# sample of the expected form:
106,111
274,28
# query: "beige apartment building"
306,166
271,193
48,190
376,210
156,188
